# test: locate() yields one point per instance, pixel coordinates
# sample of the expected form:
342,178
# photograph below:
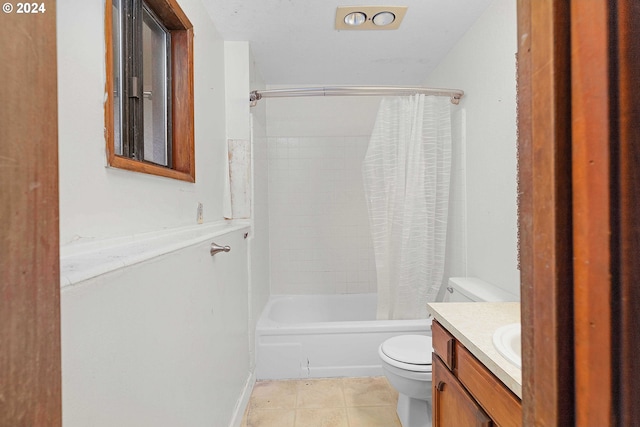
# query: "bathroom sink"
508,341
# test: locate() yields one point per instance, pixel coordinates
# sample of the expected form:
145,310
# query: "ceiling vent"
369,17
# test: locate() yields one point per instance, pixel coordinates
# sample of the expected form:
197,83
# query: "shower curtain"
406,176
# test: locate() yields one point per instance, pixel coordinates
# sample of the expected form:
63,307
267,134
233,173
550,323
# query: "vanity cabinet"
465,392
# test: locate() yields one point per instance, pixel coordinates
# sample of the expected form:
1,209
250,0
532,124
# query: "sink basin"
507,340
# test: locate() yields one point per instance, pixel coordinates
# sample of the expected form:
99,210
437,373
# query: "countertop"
473,324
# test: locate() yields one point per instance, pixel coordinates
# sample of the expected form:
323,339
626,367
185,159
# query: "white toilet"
406,359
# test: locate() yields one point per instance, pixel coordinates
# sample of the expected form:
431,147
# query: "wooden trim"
627,203
591,211
30,359
183,109
109,84
182,90
545,212
171,14
149,168
525,204
605,112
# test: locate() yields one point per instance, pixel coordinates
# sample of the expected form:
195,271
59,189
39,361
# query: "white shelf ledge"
89,258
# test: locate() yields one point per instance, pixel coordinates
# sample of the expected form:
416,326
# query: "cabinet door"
452,405
496,399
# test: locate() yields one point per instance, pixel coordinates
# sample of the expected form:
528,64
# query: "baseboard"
243,401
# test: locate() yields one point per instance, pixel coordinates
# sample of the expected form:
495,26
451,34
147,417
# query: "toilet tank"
472,289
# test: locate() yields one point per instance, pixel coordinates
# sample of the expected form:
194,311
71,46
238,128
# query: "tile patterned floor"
332,402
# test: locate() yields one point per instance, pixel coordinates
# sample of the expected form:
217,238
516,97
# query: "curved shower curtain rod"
257,95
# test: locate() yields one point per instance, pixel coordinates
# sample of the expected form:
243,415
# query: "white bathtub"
319,336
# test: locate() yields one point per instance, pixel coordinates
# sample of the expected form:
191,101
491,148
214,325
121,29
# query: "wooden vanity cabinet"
453,406
465,392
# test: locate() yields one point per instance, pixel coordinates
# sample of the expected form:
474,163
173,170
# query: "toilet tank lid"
479,290
411,349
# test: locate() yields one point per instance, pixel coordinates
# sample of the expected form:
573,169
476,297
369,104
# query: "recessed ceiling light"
355,18
369,17
384,18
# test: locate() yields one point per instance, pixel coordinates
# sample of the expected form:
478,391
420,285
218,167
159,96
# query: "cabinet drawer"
443,344
496,399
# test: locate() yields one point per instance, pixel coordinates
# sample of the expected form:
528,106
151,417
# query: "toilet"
406,359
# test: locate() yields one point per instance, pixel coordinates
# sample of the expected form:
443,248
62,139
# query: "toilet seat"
409,352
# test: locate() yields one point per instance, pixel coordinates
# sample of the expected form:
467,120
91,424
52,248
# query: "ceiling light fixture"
355,18
369,17
384,18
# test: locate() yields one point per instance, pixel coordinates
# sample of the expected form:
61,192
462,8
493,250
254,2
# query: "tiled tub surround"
473,324
318,221
337,402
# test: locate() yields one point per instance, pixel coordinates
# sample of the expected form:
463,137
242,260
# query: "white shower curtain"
406,177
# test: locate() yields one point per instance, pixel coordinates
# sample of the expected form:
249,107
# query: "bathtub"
320,336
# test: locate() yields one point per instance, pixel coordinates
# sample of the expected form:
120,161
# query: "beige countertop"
473,324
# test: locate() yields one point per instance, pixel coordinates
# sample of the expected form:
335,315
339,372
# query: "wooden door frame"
579,170
627,214
30,363
544,158
593,127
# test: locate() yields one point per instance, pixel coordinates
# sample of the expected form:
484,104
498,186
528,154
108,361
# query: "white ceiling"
295,42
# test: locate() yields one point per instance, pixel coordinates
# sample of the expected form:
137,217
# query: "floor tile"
320,393
374,391
271,418
326,402
325,417
274,395
244,418
373,416
392,390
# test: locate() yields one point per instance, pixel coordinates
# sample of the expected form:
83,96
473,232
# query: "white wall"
238,74
165,342
158,344
245,123
98,202
483,65
456,252
259,243
318,221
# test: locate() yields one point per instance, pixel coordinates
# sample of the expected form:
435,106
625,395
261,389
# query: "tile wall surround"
319,227
318,222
